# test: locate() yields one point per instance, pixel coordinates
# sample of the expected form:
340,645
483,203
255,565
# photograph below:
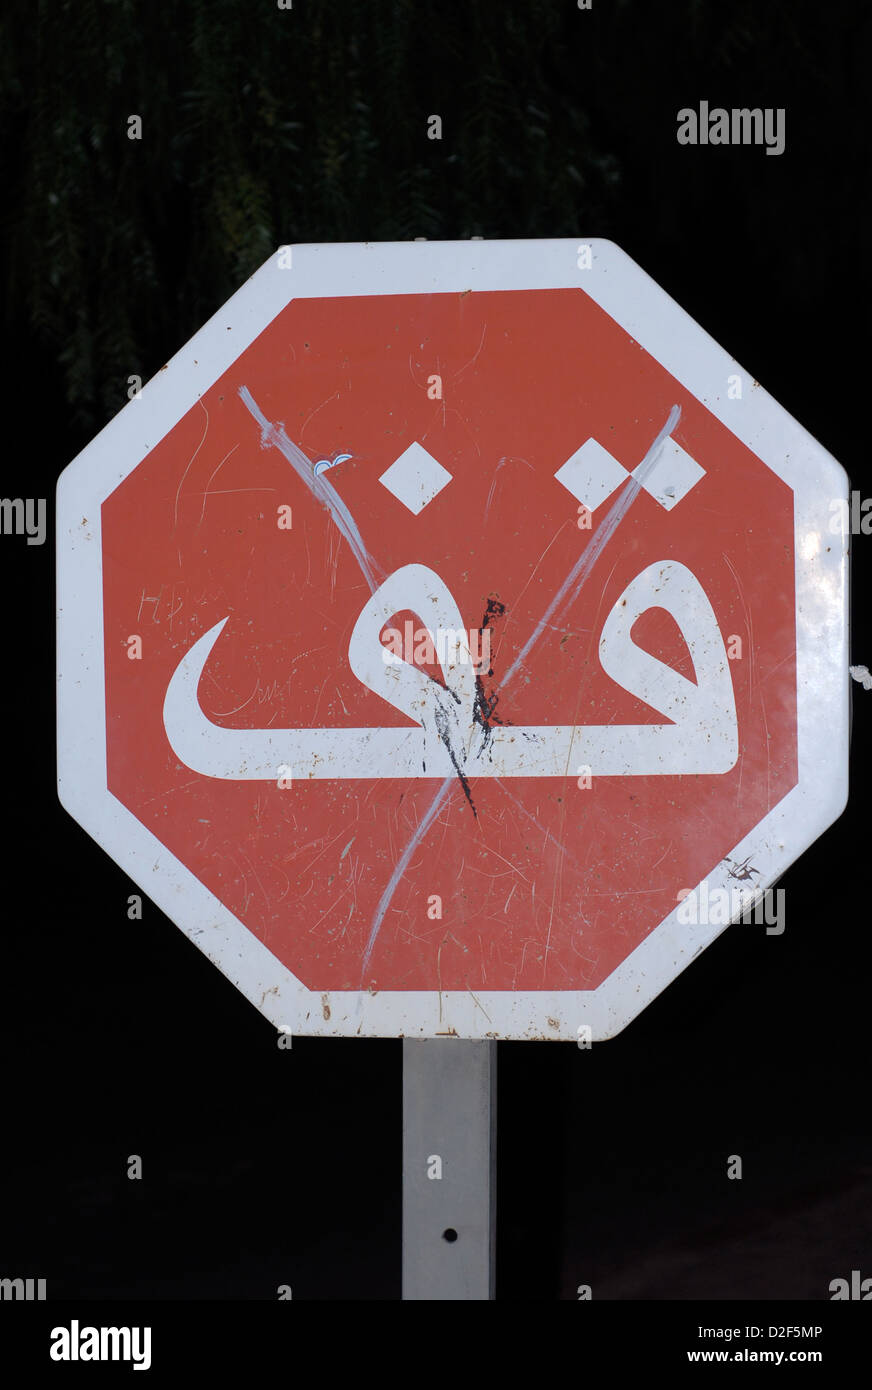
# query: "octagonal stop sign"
451,638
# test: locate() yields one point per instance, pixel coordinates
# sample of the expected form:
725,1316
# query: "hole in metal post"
450,1234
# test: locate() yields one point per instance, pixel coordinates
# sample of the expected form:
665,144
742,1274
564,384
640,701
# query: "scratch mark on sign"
507,458
226,491
753,677
334,397
513,867
226,713
663,855
517,601
273,436
169,792
335,903
401,866
265,894
188,469
473,359
480,1006
575,580
439,974
324,850
555,885
538,824
206,492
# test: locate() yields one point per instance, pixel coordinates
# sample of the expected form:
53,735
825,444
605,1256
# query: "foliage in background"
263,126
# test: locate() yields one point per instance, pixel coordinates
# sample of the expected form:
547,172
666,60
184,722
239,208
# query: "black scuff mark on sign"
486,703
741,871
444,731
483,710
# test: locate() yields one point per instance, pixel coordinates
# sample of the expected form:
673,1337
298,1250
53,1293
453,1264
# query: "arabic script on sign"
701,735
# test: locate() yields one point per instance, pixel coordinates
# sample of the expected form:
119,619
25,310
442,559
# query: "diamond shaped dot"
591,474
672,476
415,478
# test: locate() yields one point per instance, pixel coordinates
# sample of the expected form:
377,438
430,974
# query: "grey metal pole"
449,1168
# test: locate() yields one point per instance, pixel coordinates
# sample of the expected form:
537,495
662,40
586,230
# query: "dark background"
263,127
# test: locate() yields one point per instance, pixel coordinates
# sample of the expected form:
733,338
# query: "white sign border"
647,313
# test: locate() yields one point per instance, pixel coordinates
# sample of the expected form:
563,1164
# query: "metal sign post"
449,1169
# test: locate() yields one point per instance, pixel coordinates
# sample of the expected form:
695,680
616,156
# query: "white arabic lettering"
450,736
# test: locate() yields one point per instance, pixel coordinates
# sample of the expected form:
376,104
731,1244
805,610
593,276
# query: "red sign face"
500,864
